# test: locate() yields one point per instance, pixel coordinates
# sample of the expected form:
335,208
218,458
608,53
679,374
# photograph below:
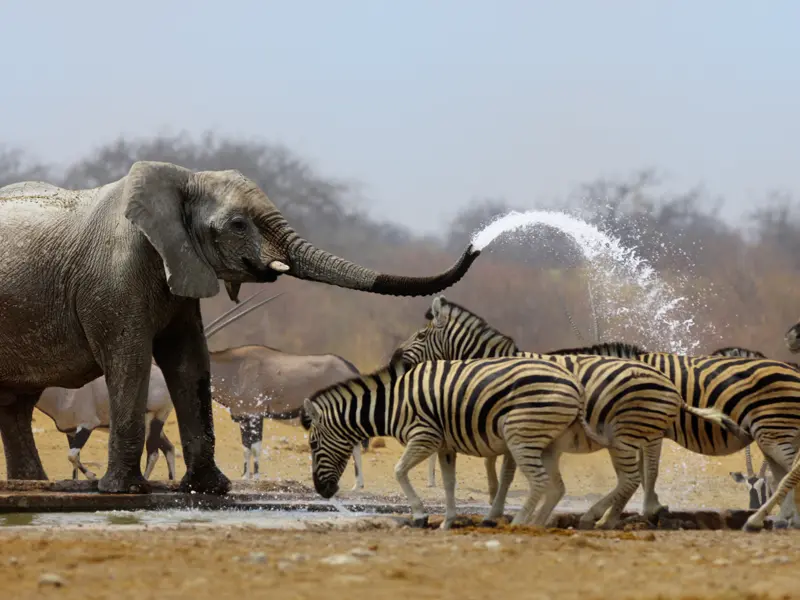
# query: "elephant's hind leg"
22,457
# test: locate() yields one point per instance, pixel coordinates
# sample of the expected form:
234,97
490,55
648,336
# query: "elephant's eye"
238,224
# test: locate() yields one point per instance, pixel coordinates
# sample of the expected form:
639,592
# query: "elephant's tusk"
279,266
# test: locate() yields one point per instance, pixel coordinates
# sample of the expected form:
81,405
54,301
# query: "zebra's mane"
475,320
605,349
738,351
387,374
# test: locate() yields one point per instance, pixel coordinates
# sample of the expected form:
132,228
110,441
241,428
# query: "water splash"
630,295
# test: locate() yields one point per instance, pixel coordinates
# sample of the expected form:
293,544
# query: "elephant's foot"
208,480
123,483
29,468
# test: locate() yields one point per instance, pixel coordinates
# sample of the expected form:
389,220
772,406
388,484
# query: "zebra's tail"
720,418
590,433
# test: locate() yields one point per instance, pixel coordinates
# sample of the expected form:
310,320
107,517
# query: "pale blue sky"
428,103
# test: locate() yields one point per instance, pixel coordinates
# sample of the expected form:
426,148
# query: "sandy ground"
212,564
204,563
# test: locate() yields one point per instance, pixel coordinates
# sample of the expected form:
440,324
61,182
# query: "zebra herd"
460,386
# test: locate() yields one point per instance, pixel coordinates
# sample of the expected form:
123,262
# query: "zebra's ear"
437,311
311,411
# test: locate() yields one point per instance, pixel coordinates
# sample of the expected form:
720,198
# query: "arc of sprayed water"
655,314
592,308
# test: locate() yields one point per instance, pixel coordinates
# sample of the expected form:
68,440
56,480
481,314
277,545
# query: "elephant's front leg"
182,354
127,376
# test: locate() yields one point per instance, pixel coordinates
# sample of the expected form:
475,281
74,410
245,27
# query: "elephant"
101,281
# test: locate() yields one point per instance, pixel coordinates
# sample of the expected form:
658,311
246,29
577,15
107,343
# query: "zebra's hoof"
780,524
662,512
751,528
420,522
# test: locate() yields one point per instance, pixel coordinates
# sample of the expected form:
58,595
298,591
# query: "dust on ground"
220,563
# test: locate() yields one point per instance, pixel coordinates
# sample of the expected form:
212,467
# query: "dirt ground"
210,563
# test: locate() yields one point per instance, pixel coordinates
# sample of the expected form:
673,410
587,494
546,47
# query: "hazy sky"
429,103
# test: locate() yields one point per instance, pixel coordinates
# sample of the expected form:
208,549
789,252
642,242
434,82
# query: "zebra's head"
329,451
757,487
792,338
452,333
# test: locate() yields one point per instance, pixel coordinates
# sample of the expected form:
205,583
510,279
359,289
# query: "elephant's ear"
155,203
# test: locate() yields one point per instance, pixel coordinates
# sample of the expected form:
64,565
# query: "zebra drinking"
524,409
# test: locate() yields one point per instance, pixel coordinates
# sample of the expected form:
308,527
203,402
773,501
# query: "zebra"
525,409
634,410
758,486
744,400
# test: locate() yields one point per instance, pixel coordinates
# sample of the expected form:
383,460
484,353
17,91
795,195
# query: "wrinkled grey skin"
95,282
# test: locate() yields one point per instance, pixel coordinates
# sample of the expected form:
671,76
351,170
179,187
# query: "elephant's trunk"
313,264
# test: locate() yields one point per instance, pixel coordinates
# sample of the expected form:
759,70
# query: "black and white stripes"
520,408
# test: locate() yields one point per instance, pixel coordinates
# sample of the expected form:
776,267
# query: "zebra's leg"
490,463
788,483
506,477
528,457
649,459
168,449
432,471
76,444
153,445
555,491
787,509
624,458
358,466
447,464
627,458
416,451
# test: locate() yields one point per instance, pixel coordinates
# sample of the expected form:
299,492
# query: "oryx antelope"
758,486
79,412
255,381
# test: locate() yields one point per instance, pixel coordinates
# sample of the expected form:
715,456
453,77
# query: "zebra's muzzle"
326,488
